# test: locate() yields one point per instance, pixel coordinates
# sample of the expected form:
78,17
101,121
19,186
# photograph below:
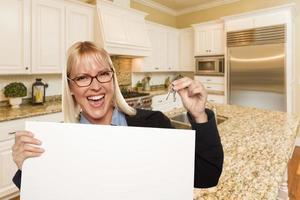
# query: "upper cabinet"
186,50
48,48
164,55
15,36
79,24
39,32
256,19
121,31
209,39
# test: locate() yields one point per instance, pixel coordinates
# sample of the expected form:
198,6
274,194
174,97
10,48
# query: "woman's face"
95,100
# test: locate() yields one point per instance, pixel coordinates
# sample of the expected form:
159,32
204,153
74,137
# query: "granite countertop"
257,147
28,110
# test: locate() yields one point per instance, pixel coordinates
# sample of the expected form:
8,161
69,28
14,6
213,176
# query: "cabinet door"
7,167
14,36
173,51
162,49
79,24
149,61
186,47
136,32
48,37
201,41
216,44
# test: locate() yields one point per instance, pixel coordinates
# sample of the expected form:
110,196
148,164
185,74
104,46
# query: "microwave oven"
209,65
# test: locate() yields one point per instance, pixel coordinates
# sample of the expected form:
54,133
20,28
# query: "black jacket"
208,151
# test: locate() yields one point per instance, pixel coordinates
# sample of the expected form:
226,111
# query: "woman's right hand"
24,147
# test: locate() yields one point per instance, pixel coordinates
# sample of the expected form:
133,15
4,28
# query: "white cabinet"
215,86
14,36
164,55
48,32
159,102
35,38
173,50
255,20
186,52
7,165
209,39
122,31
79,24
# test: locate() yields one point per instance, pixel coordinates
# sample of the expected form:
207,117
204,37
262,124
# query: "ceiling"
183,4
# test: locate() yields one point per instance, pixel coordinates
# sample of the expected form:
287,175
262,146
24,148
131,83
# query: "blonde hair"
86,52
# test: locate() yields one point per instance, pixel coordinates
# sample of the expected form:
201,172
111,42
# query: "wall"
54,82
155,15
247,6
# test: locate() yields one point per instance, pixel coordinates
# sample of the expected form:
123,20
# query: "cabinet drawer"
210,79
216,87
216,98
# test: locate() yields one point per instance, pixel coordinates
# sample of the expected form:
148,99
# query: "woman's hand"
193,95
23,147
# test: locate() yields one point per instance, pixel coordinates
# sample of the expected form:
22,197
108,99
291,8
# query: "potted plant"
14,92
139,86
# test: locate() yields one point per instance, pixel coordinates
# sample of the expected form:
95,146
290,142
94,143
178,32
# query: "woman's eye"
105,73
81,78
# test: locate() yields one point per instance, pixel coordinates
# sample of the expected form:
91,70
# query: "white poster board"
109,163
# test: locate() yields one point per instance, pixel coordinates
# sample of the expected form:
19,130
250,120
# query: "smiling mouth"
95,98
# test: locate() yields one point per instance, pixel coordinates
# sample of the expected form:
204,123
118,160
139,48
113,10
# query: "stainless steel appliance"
256,67
210,65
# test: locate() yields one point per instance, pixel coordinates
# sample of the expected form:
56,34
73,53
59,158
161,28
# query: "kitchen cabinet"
215,86
209,39
48,31
39,32
159,102
15,36
186,52
7,165
79,24
164,55
256,19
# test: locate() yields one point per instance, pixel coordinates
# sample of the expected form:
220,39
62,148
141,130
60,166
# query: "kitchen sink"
181,121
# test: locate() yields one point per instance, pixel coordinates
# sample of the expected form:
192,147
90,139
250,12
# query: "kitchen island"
257,146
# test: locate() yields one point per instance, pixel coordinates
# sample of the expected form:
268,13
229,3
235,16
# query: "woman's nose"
95,85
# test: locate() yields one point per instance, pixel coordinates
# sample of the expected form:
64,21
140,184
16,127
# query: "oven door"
206,66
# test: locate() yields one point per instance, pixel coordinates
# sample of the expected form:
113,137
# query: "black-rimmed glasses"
85,80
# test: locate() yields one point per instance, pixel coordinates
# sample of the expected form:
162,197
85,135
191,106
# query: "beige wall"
155,15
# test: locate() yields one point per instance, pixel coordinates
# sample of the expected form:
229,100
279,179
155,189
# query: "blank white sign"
109,163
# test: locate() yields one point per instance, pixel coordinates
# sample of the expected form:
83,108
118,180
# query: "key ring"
171,90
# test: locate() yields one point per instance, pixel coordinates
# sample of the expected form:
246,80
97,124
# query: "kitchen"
175,37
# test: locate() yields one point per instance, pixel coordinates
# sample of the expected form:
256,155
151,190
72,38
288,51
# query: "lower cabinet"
214,98
7,165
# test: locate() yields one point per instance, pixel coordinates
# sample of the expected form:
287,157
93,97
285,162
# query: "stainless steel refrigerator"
256,68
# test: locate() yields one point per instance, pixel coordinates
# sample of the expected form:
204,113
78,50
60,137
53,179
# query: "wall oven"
210,65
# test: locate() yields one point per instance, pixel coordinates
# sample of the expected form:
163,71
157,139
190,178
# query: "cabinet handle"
208,79
26,68
208,87
156,68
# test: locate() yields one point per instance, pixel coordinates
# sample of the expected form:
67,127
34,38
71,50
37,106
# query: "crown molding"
157,6
174,12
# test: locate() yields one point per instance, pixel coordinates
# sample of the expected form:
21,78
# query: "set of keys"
174,94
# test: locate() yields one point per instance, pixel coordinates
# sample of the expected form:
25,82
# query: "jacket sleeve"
208,152
17,179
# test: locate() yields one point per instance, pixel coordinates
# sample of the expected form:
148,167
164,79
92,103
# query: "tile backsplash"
123,70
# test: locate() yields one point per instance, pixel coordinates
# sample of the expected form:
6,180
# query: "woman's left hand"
193,96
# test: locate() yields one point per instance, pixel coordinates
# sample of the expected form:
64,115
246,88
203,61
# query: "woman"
92,95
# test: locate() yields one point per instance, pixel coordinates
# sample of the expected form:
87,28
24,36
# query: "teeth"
95,98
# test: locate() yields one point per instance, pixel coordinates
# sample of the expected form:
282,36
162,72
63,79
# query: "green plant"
15,89
139,84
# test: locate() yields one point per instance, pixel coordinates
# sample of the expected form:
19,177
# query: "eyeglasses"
85,80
